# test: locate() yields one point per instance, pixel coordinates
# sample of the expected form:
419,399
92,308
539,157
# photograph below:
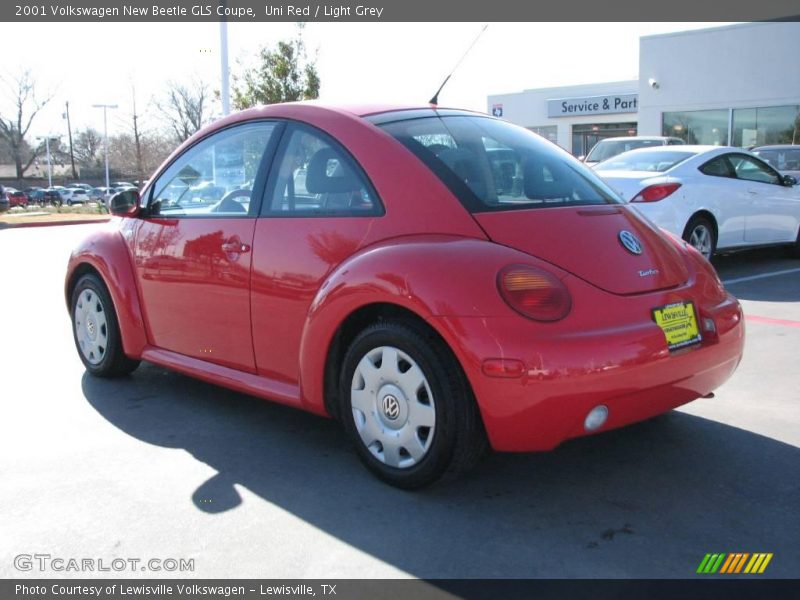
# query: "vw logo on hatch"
630,241
391,407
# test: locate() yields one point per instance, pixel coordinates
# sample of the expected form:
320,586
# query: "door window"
752,169
316,176
214,178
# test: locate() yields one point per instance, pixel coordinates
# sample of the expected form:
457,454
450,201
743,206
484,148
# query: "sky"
402,63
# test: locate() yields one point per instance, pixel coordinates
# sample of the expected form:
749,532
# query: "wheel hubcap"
393,407
701,240
91,327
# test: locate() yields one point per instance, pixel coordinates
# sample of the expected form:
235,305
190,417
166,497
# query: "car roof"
696,148
637,137
777,147
314,110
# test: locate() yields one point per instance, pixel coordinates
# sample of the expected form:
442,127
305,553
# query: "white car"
716,198
610,147
74,195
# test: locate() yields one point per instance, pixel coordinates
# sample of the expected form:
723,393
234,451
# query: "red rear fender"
427,275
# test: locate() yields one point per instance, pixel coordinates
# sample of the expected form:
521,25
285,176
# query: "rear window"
654,161
491,165
784,159
605,149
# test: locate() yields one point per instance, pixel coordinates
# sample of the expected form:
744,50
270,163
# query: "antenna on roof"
435,100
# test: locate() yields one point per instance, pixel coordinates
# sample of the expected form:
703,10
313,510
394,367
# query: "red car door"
194,247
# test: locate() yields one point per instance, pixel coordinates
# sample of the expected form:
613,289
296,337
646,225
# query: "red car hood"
586,242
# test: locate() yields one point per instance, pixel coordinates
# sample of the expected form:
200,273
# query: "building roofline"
632,82
704,30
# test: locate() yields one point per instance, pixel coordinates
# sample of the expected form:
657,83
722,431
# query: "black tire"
697,224
793,251
112,361
459,439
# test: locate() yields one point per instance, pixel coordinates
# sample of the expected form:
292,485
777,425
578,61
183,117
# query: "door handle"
753,192
235,247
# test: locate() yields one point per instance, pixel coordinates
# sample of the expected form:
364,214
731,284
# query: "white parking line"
760,276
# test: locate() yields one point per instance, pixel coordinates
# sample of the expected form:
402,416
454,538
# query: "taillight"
654,193
534,293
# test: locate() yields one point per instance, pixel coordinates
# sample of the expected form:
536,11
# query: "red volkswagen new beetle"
435,279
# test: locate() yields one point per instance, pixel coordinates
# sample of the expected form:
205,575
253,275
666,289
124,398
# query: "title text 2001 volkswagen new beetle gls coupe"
433,278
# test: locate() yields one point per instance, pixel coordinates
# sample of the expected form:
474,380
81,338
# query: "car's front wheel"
95,330
699,233
407,406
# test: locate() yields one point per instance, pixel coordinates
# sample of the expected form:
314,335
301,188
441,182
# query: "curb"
4,225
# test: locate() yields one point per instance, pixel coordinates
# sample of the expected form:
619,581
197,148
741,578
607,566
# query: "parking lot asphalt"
158,465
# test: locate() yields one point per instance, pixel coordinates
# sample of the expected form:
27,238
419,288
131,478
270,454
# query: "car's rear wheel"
407,407
793,251
96,331
700,234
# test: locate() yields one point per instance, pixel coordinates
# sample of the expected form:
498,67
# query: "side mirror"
125,203
789,180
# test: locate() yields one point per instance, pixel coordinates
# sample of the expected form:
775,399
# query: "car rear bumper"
624,367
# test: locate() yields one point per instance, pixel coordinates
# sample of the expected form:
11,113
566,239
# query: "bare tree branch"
185,108
21,93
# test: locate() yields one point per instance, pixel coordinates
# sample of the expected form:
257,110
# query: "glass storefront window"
697,126
548,132
767,125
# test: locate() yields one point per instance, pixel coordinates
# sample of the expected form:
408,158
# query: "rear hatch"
585,241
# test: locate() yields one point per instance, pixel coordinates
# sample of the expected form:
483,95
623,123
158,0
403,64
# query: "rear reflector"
654,193
506,368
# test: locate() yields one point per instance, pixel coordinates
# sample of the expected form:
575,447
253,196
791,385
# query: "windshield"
656,161
605,149
491,165
784,159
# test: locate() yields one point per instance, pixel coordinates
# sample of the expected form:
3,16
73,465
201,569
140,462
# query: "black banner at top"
370,11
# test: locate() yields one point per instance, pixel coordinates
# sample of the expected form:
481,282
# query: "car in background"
4,203
783,157
104,194
716,198
610,147
123,185
35,194
429,301
53,196
97,194
17,198
77,195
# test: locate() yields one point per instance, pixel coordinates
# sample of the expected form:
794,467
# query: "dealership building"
736,85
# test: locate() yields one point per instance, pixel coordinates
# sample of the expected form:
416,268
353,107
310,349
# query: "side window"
752,169
718,167
215,177
315,176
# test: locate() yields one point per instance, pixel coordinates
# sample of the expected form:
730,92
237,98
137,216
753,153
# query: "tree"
87,148
21,92
185,108
283,74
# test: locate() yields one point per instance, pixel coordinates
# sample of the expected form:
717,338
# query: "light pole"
225,91
49,163
105,108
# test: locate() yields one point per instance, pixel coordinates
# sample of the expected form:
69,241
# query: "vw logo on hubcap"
630,241
391,407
